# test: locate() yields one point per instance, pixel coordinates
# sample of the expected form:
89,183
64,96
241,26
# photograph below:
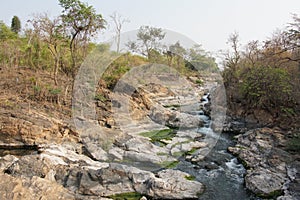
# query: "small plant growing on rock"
294,144
100,97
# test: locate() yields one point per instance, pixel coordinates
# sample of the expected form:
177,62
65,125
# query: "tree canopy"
148,40
16,24
81,22
266,75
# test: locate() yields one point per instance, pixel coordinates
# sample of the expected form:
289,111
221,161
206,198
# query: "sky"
207,22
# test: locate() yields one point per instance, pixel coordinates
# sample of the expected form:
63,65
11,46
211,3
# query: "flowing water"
220,172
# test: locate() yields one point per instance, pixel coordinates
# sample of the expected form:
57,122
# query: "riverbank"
163,146
272,172
135,158
264,146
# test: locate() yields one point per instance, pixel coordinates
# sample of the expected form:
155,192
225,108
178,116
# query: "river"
220,172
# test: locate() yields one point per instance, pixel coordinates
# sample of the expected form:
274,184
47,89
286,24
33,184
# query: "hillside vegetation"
265,76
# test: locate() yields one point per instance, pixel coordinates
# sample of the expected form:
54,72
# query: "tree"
199,59
51,32
148,39
15,24
265,76
266,87
6,33
252,53
233,59
118,22
81,22
10,46
176,51
292,42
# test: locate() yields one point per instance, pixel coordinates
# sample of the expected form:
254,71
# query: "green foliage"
191,152
147,40
293,144
54,91
200,60
56,44
158,135
265,76
44,92
37,89
190,178
177,49
162,154
266,87
6,33
103,47
81,17
82,23
15,25
100,97
169,164
199,82
112,78
119,67
288,111
172,106
126,196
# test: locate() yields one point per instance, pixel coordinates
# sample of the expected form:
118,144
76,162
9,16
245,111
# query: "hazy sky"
208,22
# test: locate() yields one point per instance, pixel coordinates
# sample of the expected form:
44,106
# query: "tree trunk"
56,66
72,49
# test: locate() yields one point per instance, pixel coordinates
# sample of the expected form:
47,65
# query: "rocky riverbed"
272,172
57,161
167,145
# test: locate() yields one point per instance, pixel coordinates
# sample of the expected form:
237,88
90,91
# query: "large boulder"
175,119
267,164
142,150
173,184
265,183
32,188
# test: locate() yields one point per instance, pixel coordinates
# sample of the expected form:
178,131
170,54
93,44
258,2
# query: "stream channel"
219,171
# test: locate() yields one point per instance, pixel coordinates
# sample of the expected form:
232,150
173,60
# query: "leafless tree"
118,21
51,31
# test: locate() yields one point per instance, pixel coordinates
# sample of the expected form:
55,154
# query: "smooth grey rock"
258,149
175,119
116,152
173,184
96,151
264,182
7,161
142,145
142,157
184,120
188,134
